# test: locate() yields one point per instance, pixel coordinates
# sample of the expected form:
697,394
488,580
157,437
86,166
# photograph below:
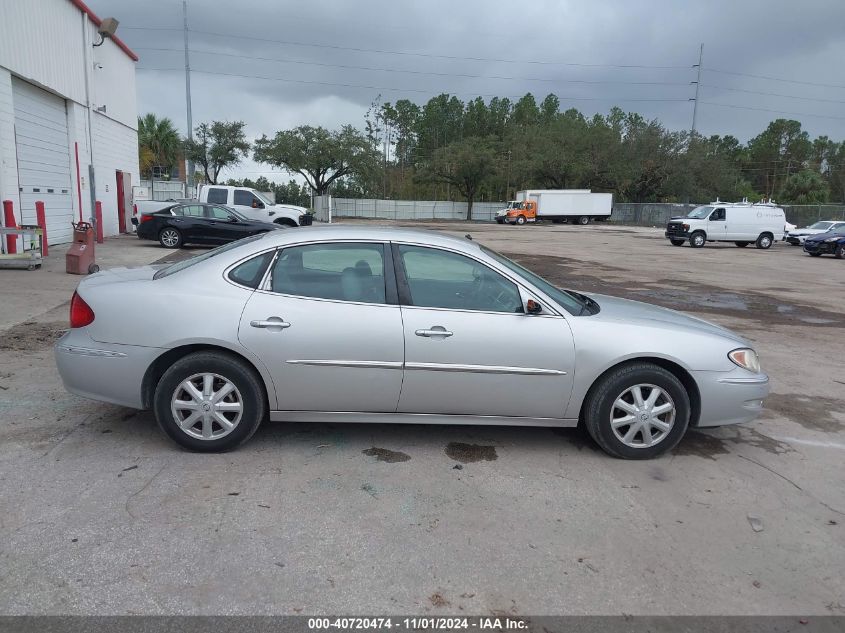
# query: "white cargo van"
253,204
742,223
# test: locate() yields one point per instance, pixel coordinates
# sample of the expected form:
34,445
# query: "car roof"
431,237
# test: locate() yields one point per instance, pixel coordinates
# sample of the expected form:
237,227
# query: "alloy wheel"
169,237
642,416
206,406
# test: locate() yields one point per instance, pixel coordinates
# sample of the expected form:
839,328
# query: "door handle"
272,322
436,330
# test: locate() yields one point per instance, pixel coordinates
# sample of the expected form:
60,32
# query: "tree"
217,146
806,187
466,164
319,155
777,153
158,143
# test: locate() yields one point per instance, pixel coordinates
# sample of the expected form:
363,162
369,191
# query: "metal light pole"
190,163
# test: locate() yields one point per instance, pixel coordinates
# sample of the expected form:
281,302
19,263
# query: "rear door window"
338,271
218,196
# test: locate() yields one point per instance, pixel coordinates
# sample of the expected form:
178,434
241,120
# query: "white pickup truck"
247,201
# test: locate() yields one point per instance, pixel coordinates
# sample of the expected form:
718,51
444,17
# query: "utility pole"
190,164
697,88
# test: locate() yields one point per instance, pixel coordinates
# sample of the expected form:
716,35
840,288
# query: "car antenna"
468,236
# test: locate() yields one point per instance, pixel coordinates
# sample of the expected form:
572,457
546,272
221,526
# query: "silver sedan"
355,324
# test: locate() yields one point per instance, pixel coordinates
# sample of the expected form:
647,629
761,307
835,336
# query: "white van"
254,205
742,223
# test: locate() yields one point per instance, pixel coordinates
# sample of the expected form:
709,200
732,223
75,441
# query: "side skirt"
415,418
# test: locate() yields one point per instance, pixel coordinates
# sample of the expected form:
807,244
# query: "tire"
741,244
814,254
170,237
223,368
677,242
285,222
697,239
600,407
839,253
93,268
583,220
520,220
764,241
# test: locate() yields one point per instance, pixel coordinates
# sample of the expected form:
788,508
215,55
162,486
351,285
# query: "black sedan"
832,243
197,223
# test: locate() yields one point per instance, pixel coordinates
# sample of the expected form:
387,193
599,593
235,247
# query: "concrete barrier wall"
639,214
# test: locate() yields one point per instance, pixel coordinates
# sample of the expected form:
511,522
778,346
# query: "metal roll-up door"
42,146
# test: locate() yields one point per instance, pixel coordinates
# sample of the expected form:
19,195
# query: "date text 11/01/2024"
419,623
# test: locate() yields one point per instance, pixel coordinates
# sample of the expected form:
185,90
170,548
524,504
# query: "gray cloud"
312,77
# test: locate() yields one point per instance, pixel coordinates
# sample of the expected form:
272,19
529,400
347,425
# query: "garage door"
41,142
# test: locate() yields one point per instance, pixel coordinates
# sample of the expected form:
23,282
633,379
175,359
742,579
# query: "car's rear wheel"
583,220
520,220
697,239
741,244
170,237
840,252
209,402
764,241
677,242
637,411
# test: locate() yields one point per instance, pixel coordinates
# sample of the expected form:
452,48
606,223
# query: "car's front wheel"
170,237
637,411
697,239
840,252
520,220
209,402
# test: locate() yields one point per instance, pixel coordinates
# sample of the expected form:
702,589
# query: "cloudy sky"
278,63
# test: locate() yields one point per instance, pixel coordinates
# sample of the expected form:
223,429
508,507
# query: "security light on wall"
107,28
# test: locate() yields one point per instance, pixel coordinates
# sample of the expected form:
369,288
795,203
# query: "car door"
225,226
191,221
470,346
717,224
327,326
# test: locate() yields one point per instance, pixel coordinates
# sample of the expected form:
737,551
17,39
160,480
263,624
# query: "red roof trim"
97,21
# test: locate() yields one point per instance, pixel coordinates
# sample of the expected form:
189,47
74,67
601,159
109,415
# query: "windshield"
263,198
822,226
700,213
573,302
175,268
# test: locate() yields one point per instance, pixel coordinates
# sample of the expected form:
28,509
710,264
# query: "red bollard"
98,215
10,223
41,220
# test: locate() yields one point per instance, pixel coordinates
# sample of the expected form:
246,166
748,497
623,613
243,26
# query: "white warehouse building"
68,116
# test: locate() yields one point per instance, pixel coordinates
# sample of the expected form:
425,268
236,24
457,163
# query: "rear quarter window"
218,196
251,272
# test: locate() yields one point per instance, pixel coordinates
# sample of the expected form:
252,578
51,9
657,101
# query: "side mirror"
533,307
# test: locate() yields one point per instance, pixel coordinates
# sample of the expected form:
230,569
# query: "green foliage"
217,146
158,144
319,155
806,187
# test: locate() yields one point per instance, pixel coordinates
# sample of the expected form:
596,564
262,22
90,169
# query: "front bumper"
306,219
103,371
823,248
730,397
676,235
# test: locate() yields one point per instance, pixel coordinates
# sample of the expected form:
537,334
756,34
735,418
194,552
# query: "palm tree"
158,143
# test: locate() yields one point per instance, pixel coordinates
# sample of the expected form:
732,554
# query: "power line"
421,72
427,55
420,90
773,94
739,107
770,78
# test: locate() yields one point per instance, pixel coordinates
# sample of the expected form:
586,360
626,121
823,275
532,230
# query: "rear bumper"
730,397
103,371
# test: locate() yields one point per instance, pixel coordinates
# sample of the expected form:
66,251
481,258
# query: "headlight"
832,239
746,358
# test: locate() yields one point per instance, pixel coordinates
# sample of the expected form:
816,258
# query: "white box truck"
579,206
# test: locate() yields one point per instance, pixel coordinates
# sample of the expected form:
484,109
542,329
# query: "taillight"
81,313
145,217
134,209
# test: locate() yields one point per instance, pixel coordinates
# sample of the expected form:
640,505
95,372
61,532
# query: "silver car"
361,324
